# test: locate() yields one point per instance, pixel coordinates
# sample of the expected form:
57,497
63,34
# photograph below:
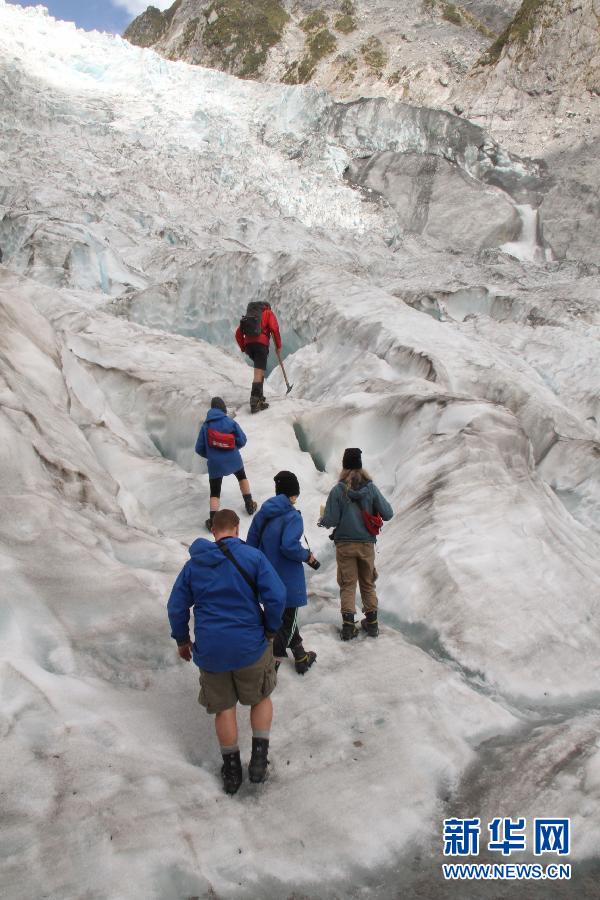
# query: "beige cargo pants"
356,563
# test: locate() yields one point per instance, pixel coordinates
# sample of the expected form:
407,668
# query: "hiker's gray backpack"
250,324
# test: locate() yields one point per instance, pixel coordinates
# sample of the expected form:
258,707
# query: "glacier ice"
142,204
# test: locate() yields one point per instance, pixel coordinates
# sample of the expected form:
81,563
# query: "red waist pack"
373,524
220,441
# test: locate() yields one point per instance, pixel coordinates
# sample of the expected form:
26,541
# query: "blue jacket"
277,529
343,511
229,625
221,462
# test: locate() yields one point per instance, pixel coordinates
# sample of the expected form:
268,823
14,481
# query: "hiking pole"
316,564
289,386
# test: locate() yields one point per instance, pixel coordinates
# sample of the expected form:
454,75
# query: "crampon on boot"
231,772
263,403
349,629
254,397
250,504
257,767
303,659
369,624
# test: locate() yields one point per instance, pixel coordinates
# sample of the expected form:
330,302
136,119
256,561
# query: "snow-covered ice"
142,205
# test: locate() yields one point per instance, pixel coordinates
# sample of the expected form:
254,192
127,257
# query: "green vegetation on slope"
239,34
314,21
374,54
519,29
345,24
150,26
318,45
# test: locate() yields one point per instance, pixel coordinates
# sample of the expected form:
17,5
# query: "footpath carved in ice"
142,205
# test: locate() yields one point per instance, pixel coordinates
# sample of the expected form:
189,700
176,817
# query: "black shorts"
215,483
258,353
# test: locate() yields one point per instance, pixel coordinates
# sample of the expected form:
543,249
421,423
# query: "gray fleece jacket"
343,511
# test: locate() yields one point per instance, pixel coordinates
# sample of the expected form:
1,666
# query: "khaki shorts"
222,690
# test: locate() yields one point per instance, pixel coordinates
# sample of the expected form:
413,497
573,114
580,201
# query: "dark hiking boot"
305,661
257,768
257,404
369,624
263,403
257,398
231,772
251,506
208,524
349,629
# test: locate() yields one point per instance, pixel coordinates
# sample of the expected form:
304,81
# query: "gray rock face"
352,48
570,211
426,192
496,16
540,81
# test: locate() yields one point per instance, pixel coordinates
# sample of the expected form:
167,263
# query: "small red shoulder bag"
373,524
219,440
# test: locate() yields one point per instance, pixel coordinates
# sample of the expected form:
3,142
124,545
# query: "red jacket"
269,326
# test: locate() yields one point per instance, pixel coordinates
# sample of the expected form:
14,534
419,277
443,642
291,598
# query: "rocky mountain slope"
411,51
529,72
539,82
440,309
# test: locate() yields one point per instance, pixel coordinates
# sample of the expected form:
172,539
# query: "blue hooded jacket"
229,625
221,462
277,529
343,511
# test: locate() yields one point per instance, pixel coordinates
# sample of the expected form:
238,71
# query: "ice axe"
289,386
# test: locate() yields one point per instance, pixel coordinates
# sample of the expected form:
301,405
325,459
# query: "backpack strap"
262,531
245,575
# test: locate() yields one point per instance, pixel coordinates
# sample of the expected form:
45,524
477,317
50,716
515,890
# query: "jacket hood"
213,414
276,506
207,553
362,493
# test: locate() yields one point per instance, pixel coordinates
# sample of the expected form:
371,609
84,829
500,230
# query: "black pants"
216,483
288,635
258,353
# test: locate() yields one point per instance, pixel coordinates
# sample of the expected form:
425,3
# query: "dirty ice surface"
142,205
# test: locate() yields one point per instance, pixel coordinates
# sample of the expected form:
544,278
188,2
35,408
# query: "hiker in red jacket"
253,337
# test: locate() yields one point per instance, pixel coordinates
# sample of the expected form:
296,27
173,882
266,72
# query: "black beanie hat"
286,483
352,458
218,403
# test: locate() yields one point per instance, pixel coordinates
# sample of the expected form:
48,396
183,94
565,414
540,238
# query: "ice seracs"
143,204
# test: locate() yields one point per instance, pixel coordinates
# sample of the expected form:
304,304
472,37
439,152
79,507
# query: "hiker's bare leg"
226,727
214,503
245,487
259,375
261,715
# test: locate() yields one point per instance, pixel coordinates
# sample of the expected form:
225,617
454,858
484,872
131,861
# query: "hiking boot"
231,772
257,404
304,660
349,629
263,403
369,624
257,767
208,524
251,506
